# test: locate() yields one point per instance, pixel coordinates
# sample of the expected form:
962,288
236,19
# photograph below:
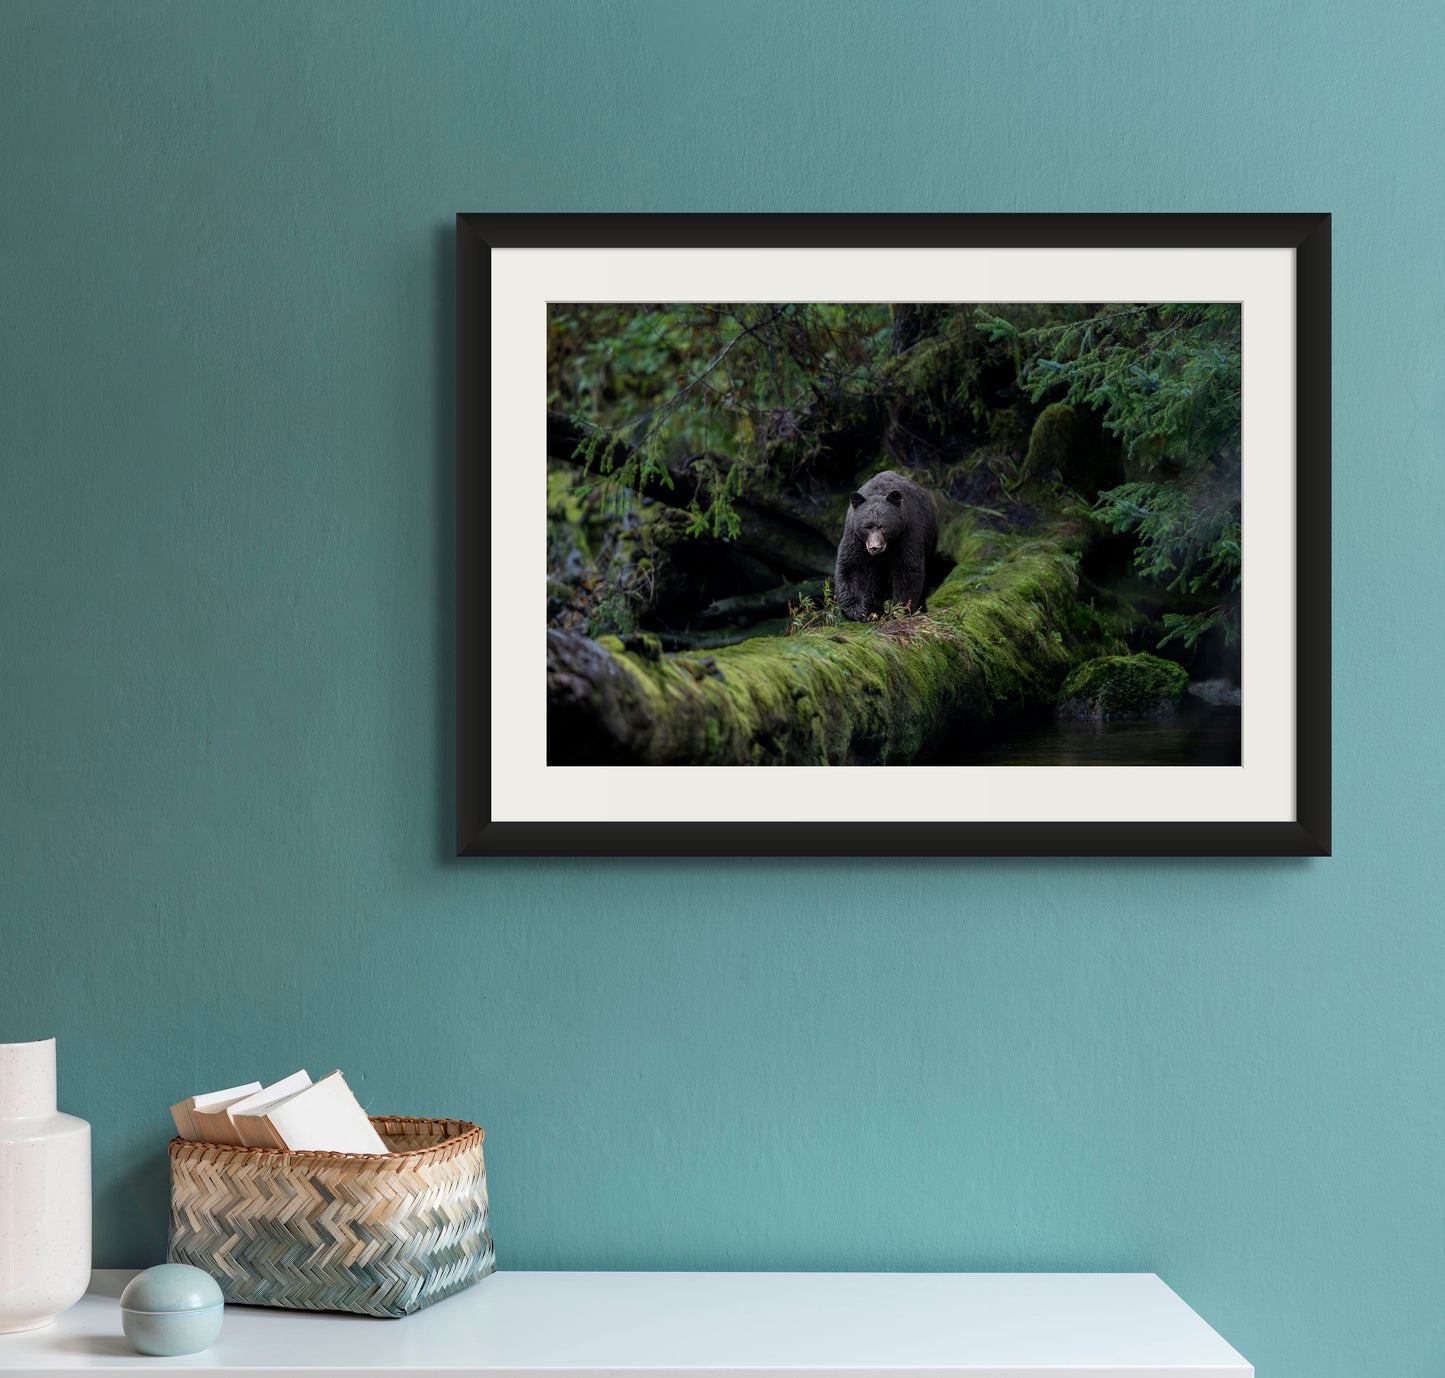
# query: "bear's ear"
896,498
857,499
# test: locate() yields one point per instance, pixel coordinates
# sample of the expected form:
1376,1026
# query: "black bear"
889,538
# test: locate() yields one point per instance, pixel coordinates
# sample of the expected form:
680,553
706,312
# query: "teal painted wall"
225,674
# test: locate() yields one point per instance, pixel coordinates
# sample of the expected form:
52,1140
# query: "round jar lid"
170,1287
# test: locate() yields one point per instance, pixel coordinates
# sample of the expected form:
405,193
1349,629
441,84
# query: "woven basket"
379,1234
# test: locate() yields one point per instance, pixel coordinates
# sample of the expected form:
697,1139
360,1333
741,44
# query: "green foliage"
1188,536
736,396
718,385
600,569
897,621
711,512
725,377
618,467
1165,380
809,615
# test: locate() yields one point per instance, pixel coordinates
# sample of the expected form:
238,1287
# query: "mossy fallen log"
998,638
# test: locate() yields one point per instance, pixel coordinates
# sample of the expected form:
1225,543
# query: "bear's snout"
877,544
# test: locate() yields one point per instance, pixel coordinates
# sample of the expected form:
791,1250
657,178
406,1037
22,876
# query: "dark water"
1207,738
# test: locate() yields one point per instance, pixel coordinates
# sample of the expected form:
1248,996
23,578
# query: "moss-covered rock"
1110,687
1052,441
1068,445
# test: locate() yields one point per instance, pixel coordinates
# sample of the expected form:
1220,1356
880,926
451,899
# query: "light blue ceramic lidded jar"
171,1309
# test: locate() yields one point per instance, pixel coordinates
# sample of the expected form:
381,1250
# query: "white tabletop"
763,1325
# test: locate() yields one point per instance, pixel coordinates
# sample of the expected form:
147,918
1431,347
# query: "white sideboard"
702,1325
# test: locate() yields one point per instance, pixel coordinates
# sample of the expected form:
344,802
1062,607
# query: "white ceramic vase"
44,1192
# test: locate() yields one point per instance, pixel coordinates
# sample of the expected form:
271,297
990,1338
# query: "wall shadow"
444,250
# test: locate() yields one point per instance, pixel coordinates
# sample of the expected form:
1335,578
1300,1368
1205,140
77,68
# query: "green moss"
570,536
999,637
1008,429
643,644
562,501
1122,687
1052,442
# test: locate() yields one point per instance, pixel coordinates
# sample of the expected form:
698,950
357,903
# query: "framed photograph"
893,535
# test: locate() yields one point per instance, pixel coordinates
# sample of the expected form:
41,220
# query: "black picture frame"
1308,834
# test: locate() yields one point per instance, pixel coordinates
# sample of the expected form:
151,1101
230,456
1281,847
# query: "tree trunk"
748,608
1000,634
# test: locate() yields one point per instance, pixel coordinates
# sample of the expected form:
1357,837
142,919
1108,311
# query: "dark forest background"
701,458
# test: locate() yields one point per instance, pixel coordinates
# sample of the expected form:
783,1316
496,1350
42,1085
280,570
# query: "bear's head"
878,519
